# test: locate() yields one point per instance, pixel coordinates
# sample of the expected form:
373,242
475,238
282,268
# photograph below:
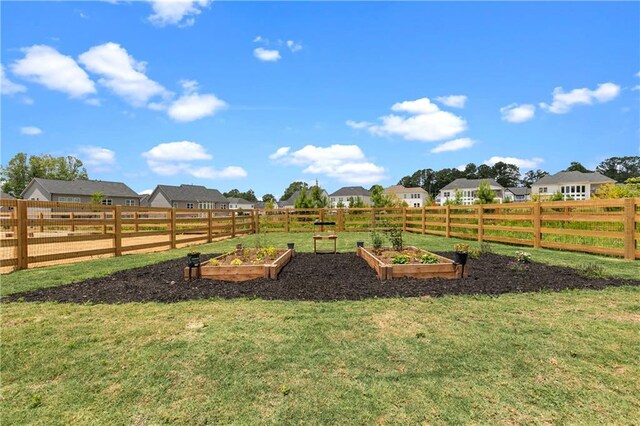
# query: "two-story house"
413,197
572,185
81,191
468,189
187,197
344,195
236,203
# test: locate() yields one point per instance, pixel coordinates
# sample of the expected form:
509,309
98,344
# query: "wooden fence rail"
36,232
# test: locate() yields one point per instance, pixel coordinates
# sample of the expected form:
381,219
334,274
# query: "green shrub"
461,247
591,270
523,256
376,239
474,252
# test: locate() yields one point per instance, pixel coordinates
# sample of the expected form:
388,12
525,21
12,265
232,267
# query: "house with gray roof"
236,203
411,196
344,195
572,185
468,188
5,196
518,194
80,191
187,197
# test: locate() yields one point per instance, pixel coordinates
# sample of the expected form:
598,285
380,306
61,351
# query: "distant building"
80,191
344,194
572,185
240,204
5,196
414,197
469,189
263,205
518,194
187,197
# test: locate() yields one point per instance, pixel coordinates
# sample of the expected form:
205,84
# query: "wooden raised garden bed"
380,261
221,267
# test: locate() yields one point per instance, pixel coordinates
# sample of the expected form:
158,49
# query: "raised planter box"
445,268
238,273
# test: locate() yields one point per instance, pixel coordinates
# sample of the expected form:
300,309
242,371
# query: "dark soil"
323,277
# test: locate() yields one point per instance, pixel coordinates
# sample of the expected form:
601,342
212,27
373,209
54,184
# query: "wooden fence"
42,233
609,227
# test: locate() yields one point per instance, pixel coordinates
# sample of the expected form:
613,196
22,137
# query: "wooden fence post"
424,220
286,220
480,222
447,222
233,223
22,234
103,216
72,217
340,219
172,215
117,230
373,218
536,225
629,229
256,225
404,218
136,226
209,226
41,216
321,216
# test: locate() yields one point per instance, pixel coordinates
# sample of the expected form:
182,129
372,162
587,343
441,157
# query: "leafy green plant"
474,252
394,234
400,259
376,239
516,266
523,256
429,259
236,262
461,247
214,262
591,270
284,390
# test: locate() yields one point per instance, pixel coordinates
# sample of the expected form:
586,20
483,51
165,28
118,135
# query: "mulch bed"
312,277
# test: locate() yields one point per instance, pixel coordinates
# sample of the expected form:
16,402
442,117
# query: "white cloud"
176,12
520,162
454,145
121,73
145,192
454,101
46,66
358,124
7,87
193,106
172,158
425,122
266,55
563,102
258,39
293,46
515,113
93,102
97,157
30,131
280,152
346,163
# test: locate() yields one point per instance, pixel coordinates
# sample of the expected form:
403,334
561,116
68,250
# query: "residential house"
5,196
81,191
144,201
345,194
414,197
468,188
518,194
290,202
263,205
240,204
572,185
187,197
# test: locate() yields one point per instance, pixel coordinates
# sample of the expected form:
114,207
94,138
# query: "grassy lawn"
569,357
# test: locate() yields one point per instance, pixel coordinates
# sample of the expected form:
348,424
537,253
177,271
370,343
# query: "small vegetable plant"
428,259
461,247
236,262
400,259
394,234
592,270
214,262
376,239
475,252
523,256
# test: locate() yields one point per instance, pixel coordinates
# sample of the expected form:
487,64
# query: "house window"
416,204
107,202
446,194
175,204
223,206
189,205
542,190
205,206
129,202
69,199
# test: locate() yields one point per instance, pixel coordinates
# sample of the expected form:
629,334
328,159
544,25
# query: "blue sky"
257,95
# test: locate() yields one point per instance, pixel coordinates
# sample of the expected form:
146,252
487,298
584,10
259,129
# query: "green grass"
569,357
31,279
